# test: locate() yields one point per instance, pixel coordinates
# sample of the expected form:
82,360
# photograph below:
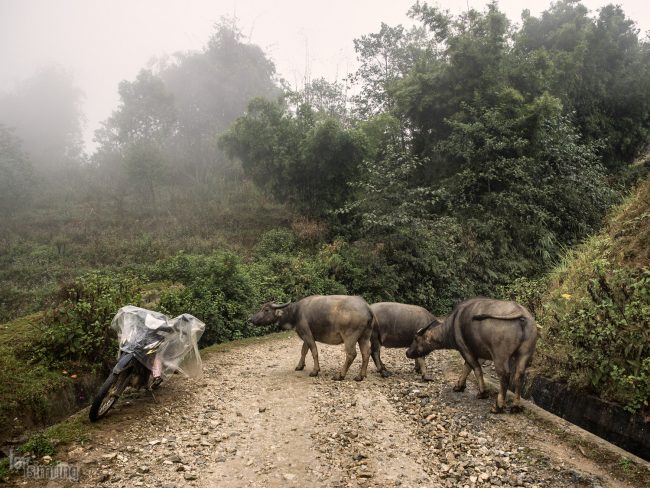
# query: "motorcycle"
152,348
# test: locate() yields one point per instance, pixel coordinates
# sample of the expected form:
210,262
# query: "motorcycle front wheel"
108,394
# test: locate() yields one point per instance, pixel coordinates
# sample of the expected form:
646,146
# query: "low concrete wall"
605,419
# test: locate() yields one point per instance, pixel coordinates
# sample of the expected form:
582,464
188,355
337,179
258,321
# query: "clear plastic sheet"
138,328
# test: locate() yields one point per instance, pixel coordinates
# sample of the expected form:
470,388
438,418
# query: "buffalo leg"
501,396
375,351
462,379
421,367
520,368
364,347
303,354
311,344
350,354
314,354
503,372
472,363
478,372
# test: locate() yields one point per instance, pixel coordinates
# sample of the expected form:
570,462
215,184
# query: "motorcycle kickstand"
153,396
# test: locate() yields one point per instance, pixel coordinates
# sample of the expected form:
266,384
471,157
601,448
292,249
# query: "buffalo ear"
279,313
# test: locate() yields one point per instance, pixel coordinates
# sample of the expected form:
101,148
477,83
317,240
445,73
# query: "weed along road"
252,421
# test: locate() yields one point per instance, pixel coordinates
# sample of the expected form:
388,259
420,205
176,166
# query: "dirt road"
252,421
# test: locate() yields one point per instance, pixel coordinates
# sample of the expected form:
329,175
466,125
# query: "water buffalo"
483,328
330,319
397,324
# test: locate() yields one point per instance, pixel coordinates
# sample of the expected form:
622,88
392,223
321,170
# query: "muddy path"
252,421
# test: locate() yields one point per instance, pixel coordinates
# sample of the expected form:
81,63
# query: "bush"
528,292
78,328
276,241
427,264
38,446
283,277
216,290
599,340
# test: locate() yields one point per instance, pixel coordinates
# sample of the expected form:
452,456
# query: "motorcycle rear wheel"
108,394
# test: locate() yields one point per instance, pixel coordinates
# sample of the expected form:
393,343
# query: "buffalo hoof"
313,373
300,368
428,377
458,388
338,377
482,394
516,409
385,373
359,378
496,409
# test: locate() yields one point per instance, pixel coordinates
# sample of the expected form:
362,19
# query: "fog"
100,43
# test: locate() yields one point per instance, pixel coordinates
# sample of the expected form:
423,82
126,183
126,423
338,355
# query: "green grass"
38,445
4,469
74,429
23,385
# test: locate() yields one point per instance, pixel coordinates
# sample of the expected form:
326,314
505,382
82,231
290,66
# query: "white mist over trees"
164,130
45,112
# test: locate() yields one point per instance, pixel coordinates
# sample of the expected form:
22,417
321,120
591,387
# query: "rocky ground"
254,421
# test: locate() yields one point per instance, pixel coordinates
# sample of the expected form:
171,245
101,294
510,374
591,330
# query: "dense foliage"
15,173
469,139
301,158
76,330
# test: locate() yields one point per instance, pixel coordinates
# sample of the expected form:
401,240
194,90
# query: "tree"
526,185
326,100
491,166
15,173
146,113
135,140
144,166
386,57
211,88
45,111
300,159
467,64
600,71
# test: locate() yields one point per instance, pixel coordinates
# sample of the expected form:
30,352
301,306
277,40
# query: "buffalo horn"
282,305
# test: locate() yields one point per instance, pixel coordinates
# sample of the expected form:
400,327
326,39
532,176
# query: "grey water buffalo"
483,328
330,319
397,324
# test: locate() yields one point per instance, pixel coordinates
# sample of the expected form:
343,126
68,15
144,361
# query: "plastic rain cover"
138,328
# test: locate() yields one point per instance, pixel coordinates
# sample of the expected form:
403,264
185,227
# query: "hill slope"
595,315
